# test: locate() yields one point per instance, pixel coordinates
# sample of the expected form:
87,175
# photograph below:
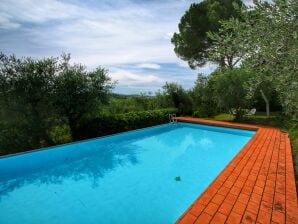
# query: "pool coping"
77,141
257,186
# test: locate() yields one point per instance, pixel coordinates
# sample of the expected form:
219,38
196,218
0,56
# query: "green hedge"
204,111
110,124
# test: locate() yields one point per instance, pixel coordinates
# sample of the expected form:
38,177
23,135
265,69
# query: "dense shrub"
205,111
13,139
179,98
60,134
110,124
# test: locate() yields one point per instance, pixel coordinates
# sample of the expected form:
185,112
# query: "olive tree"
37,96
78,93
25,101
179,97
267,40
228,46
230,92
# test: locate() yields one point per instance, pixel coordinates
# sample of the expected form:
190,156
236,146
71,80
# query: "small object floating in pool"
178,178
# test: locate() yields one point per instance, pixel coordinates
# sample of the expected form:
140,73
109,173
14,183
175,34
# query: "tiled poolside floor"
258,185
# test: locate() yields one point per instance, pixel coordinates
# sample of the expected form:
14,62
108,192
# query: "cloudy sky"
129,37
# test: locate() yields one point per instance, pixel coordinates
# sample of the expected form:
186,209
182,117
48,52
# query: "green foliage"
60,134
105,124
78,93
13,139
49,101
148,118
204,102
204,112
25,99
256,86
276,59
37,96
125,104
223,117
266,38
179,98
226,47
192,42
230,90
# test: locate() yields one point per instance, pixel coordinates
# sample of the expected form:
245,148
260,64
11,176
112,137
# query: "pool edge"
78,141
210,205
218,123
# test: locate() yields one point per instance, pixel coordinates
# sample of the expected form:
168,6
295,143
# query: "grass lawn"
275,120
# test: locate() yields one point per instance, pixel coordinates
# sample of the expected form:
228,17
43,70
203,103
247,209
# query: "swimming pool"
150,175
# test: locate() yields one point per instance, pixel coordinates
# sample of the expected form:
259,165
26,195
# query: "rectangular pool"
150,175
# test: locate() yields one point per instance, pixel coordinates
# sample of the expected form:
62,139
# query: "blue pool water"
126,178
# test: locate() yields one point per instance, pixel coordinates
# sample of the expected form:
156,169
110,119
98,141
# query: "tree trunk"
222,64
230,61
267,103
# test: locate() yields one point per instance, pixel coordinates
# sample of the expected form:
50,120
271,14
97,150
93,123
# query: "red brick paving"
257,186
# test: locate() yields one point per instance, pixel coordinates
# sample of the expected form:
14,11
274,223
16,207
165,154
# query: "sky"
131,38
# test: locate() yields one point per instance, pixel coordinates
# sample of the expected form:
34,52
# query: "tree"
227,44
203,95
266,40
25,99
260,88
271,33
78,93
200,90
192,42
230,91
43,97
179,97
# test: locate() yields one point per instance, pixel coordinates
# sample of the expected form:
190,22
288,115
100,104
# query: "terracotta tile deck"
257,186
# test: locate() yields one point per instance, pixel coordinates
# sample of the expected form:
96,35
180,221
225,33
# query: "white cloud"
108,35
125,77
149,65
36,11
106,32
